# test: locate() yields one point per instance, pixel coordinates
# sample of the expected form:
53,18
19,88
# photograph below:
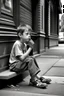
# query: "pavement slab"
60,63
51,90
46,63
56,71
16,93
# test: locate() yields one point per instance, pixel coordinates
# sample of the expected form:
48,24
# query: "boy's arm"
25,54
31,44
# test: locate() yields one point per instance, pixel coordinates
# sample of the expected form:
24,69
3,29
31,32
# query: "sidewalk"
56,73
51,63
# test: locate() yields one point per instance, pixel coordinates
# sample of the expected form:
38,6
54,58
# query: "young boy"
20,59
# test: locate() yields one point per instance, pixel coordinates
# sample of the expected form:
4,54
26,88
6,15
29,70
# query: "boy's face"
26,36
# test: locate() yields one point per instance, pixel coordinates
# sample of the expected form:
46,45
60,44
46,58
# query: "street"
51,63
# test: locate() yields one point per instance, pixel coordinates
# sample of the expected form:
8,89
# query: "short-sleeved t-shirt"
18,49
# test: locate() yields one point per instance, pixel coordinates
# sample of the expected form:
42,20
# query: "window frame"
5,8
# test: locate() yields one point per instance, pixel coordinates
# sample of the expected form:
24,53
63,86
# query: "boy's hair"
22,27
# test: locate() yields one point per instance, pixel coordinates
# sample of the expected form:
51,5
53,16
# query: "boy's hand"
31,43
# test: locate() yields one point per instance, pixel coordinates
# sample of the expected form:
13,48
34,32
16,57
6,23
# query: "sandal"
37,83
11,86
44,80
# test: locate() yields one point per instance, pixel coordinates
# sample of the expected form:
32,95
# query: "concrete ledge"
7,74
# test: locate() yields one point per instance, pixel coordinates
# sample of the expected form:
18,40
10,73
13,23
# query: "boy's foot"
44,80
37,83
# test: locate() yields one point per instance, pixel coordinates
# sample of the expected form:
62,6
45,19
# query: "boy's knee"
31,59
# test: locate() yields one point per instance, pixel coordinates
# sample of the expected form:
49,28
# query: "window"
63,6
6,5
63,10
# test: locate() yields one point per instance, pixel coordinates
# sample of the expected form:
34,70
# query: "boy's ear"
19,34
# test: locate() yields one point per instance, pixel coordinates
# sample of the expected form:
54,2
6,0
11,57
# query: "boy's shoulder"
16,43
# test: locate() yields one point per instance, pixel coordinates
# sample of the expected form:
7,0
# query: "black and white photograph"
31,47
